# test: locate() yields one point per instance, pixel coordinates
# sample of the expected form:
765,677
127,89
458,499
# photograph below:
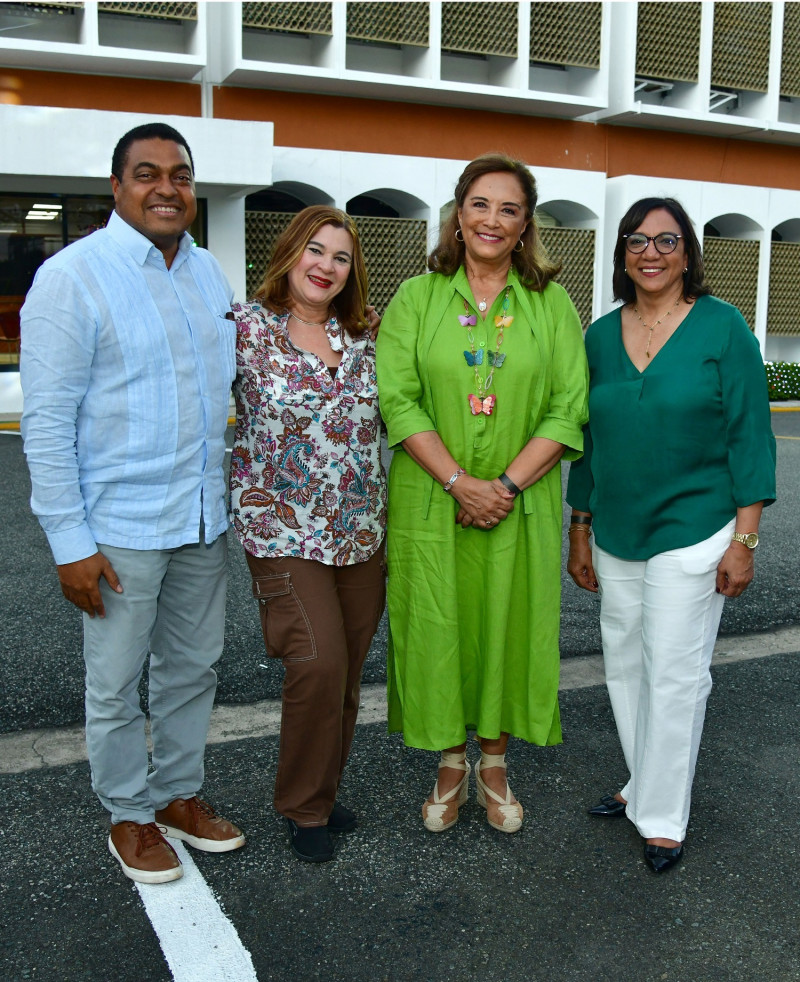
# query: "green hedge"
783,380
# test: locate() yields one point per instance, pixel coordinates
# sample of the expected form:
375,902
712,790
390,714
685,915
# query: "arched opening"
731,250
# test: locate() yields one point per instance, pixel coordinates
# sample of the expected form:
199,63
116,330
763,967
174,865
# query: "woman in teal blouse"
679,460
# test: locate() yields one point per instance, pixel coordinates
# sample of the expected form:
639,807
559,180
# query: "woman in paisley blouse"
308,503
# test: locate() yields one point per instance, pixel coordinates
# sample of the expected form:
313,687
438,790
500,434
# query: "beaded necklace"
482,401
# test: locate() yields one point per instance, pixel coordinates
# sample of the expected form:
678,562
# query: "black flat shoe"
341,819
662,858
311,843
608,807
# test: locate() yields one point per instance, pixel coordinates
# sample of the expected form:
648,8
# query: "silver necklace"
307,323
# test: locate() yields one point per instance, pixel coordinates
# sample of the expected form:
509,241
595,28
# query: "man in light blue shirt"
127,360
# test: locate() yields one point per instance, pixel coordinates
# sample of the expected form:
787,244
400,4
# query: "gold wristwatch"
749,539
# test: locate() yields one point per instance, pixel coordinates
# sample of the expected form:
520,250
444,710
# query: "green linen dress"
689,438
474,614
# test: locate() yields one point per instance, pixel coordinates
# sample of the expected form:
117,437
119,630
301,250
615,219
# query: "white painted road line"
199,942
30,749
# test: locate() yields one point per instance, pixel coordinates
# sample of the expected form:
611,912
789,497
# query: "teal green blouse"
671,452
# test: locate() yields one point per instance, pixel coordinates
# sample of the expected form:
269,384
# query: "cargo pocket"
285,623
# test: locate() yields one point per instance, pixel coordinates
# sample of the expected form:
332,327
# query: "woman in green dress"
483,386
680,421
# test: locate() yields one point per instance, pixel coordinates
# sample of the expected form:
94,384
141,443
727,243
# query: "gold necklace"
652,327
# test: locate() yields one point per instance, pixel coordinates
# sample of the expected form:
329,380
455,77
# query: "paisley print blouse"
306,475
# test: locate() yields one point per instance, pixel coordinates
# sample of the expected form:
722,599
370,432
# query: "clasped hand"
483,504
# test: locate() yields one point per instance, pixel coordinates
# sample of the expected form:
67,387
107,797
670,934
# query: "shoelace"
199,811
148,836
198,806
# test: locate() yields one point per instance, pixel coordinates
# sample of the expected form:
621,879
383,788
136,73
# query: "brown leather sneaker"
196,823
143,853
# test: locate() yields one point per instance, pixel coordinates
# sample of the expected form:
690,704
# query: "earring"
626,270
685,270
519,246
461,238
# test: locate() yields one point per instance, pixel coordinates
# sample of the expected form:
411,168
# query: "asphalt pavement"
567,898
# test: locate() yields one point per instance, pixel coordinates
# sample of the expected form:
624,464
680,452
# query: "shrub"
783,380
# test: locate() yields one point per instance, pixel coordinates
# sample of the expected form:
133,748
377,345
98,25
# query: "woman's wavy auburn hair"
349,305
694,279
531,262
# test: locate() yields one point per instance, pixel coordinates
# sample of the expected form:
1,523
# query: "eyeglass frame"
652,238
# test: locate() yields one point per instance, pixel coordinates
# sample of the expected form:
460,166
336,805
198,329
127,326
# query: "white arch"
570,213
407,205
789,230
306,193
734,225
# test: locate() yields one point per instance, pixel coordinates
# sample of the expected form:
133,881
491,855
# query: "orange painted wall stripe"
19,86
375,126
331,122
723,160
328,122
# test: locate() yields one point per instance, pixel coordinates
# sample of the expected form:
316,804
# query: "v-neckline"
641,373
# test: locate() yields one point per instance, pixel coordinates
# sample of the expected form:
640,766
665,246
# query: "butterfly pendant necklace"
482,401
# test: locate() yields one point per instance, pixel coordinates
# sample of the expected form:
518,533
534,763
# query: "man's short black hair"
147,131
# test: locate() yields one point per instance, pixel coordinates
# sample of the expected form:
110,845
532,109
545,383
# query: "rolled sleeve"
399,383
567,410
750,441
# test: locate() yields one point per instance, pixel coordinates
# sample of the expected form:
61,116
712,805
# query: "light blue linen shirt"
126,369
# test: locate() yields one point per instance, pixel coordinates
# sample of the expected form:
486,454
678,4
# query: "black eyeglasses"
665,242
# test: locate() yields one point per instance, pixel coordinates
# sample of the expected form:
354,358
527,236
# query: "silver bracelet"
446,487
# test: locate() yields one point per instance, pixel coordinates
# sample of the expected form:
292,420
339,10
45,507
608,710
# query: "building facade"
376,107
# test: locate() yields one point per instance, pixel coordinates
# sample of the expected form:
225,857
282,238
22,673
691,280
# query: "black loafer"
608,807
662,858
311,843
341,819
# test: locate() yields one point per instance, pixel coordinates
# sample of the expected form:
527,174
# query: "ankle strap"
452,760
492,760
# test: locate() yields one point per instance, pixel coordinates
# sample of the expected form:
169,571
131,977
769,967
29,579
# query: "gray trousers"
173,606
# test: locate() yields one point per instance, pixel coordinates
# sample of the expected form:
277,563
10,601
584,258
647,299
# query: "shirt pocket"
226,342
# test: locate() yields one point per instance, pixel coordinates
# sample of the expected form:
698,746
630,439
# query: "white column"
226,240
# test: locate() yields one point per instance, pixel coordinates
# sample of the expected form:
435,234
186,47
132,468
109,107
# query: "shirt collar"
139,246
461,283
332,328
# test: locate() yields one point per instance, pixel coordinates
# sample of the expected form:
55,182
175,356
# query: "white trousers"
659,620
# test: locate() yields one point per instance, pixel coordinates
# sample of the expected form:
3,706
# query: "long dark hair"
694,279
532,263
274,293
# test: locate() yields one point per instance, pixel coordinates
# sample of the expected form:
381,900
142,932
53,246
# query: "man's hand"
80,582
373,321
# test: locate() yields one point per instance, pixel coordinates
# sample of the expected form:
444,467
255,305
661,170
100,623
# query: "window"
34,227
